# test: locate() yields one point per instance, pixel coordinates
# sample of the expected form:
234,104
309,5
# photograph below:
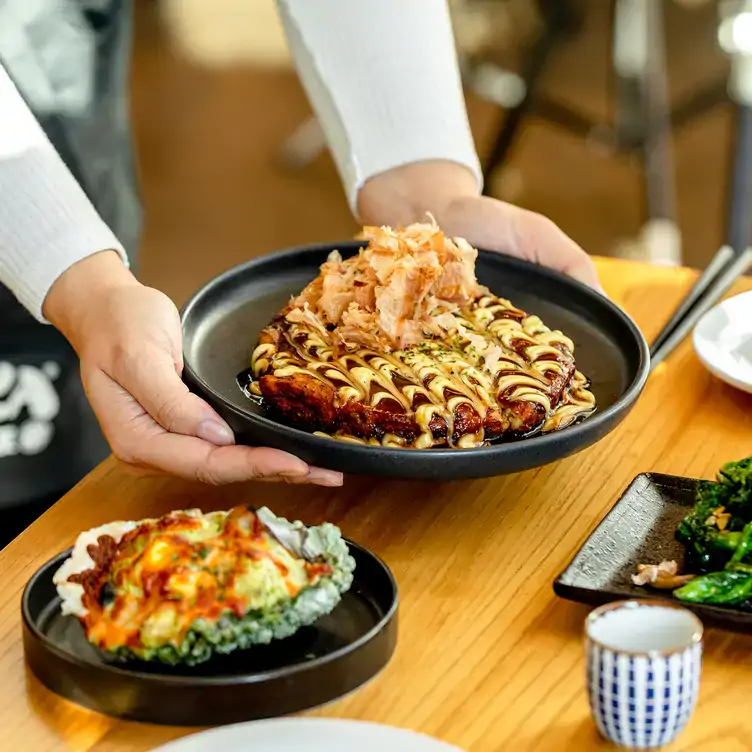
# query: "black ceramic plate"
640,529
221,323
318,664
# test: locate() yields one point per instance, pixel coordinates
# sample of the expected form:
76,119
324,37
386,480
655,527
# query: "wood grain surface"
488,657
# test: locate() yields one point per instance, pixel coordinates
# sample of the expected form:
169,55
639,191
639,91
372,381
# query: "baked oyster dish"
400,346
188,585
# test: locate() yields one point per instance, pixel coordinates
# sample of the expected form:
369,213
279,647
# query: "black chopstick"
717,265
714,288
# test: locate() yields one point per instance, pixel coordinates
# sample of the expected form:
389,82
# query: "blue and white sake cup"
643,671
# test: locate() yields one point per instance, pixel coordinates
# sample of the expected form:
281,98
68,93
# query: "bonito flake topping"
402,287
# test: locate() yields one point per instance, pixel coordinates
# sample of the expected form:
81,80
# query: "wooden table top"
488,657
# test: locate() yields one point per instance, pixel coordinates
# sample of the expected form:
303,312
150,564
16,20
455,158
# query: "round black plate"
221,323
318,664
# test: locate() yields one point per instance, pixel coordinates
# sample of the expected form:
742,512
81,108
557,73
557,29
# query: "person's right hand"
128,338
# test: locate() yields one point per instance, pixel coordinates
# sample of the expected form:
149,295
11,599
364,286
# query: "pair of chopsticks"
719,276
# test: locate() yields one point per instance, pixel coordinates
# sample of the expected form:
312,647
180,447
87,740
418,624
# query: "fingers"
153,381
315,476
137,439
541,240
192,458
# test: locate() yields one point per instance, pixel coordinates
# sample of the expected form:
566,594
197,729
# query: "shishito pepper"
183,587
731,587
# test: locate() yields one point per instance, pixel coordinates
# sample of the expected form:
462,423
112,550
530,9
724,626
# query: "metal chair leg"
643,120
562,17
661,231
538,56
733,16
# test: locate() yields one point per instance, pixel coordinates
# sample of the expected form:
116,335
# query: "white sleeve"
47,223
383,79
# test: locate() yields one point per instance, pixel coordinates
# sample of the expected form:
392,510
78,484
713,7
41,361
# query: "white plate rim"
700,350
222,736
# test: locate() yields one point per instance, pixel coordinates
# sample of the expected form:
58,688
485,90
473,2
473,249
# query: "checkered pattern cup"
643,671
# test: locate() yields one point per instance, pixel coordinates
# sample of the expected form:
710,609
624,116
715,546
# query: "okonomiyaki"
401,346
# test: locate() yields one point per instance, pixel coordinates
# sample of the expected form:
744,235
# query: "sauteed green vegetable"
717,535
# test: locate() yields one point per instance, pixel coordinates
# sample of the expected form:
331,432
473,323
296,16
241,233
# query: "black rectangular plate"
640,529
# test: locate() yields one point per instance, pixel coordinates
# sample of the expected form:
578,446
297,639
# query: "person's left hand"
450,193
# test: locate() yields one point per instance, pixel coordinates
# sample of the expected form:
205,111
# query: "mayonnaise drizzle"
437,377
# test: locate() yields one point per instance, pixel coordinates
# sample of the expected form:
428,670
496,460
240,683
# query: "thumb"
153,381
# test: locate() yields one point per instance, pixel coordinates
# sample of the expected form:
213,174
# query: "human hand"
449,191
129,340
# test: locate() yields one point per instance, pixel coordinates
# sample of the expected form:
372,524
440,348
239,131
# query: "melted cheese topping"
149,586
493,355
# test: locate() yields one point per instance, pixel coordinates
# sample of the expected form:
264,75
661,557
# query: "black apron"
70,61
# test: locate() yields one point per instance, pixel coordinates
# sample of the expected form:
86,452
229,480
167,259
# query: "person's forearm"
383,79
47,223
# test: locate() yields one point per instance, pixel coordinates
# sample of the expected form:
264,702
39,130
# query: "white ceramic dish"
307,735
723,341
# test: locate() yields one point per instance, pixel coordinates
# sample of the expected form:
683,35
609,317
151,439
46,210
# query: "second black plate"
640,529
318,664
222,321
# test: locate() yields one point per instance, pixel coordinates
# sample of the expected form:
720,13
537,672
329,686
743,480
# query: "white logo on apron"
30,389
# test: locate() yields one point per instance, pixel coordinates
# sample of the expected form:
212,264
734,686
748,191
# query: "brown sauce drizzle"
437,377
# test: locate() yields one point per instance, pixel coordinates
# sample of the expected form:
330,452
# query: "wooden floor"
214,194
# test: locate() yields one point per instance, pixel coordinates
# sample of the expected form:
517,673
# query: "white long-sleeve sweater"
383,80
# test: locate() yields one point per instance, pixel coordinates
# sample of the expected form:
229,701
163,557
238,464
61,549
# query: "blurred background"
231,165
215,100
